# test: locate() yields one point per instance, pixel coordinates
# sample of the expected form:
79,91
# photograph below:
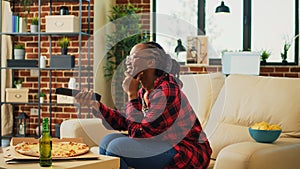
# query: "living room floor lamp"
222,8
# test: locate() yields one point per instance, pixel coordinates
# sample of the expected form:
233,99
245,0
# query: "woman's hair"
165,64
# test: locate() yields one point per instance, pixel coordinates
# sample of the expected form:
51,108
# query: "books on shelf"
22,25
14,20
18,24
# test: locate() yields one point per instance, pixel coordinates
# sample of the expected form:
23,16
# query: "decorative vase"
64,51
43,62
19,54
284,62
263,62
33,28
63,10
72,83
19,86
41,99
284,57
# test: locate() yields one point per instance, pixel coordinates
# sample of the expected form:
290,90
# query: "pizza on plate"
59,149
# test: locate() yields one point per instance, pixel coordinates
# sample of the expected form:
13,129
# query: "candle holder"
22,125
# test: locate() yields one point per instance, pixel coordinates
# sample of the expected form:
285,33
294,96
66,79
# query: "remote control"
73,92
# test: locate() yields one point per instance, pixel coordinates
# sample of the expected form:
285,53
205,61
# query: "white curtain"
6,53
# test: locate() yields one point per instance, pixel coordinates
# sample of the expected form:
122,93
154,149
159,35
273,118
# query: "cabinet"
49,78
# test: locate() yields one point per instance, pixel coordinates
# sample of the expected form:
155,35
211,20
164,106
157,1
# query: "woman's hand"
131,85
84,98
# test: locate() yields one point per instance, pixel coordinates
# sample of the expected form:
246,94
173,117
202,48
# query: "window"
251,25
175,23
224,30
273,23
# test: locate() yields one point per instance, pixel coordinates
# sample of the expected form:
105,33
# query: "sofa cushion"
251,99
252,155
202,91
90,130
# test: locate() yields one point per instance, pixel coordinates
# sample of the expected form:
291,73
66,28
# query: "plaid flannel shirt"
169,118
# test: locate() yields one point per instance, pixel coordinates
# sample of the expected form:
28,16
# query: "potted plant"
19,51
64,43
41,97
26,7
265,54
286,47
18,83
34,24
127,25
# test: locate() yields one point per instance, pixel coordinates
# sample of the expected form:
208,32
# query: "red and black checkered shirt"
169,118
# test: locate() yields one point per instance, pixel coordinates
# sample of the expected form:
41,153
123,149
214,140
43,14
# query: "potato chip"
265,126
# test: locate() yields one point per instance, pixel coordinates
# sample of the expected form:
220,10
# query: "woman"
163,130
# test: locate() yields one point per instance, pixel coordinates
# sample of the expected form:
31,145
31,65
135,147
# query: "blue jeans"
137,153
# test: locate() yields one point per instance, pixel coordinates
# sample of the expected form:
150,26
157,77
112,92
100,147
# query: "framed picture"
196,50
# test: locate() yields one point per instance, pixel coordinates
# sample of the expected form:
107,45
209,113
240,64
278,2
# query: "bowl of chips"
264,132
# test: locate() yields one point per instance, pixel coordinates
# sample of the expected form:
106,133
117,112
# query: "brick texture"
59,78
276,71
145,6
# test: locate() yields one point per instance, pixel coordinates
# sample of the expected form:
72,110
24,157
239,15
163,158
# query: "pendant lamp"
222,8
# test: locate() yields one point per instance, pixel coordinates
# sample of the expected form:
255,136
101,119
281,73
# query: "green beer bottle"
45,145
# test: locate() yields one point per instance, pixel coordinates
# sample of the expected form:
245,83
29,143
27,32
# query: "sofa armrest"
252,155
90,130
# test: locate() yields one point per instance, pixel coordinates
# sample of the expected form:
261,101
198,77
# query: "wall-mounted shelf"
46,34
78,66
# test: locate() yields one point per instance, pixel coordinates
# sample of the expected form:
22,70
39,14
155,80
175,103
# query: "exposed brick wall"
276,71
280,71
59,78
146,8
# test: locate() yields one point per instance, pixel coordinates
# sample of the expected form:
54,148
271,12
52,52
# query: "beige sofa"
226,107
